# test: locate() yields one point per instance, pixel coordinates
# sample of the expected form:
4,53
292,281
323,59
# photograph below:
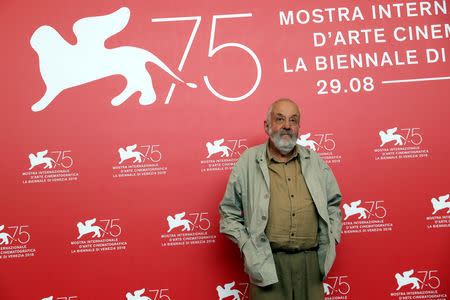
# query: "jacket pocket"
253,260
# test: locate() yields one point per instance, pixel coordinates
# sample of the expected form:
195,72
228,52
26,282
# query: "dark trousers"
298,278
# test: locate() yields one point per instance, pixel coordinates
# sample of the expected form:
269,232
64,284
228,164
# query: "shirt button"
289,179
266,196
263,239
292,196
292,234
293,214
263,217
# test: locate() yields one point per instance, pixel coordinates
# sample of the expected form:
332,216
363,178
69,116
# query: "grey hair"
269,111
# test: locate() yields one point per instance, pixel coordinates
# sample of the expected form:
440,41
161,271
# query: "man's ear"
266,127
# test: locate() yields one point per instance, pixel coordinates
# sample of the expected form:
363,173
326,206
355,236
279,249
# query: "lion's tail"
367,211
154,59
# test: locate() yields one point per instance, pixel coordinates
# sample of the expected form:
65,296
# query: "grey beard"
283,146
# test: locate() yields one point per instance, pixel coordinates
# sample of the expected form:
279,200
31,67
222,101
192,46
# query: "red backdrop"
371,79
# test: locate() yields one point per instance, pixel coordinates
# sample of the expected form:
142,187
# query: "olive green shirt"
293,220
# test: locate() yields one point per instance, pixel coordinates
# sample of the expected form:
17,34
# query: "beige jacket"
248,192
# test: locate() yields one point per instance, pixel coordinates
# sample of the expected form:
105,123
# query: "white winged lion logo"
406,279
178,221
129,153
227,291
137,295
88,228
353,209
303,141
217,147
441,203
389,136
5,238
63,65
40,158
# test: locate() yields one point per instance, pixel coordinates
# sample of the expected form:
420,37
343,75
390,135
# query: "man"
281,207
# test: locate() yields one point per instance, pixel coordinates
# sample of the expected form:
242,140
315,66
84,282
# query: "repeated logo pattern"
324,143
188,229
370,216
63,66
404,143
98,236
222,154
16,242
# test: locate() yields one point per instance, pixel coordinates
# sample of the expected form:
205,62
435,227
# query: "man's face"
283,126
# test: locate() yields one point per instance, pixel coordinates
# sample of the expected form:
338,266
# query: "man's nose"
287,125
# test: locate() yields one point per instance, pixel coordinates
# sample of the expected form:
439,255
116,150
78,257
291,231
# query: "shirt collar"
271,158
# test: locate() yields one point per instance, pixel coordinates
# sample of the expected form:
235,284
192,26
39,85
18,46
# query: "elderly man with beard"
281,207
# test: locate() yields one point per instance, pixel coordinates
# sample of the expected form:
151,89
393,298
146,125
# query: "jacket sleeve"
334,198
230,209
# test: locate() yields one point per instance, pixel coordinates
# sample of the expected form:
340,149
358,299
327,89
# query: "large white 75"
213,51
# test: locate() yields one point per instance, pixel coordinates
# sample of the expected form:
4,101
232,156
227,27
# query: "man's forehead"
285,108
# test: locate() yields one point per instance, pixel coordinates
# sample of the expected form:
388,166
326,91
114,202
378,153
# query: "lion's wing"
94,31
131,148
90,222
180,215
228,286
356,203
218,142
41,154
392,130
139,292
444,198
1,227
408,273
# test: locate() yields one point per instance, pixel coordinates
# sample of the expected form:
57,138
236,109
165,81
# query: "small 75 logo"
338,285
189,224
61,159
325,141
428,279
228,291
111,228
19,234
376,210
230,148
411,136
